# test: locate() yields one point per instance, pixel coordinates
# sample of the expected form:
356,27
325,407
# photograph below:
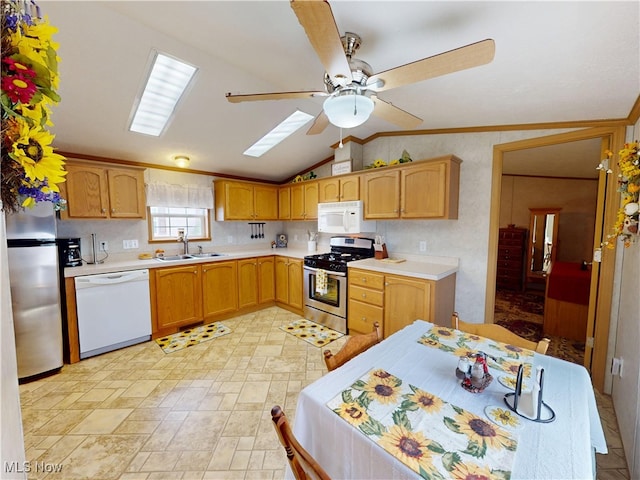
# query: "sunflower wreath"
627,219
31,171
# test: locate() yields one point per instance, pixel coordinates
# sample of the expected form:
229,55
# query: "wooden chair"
354,346
303,465
499,333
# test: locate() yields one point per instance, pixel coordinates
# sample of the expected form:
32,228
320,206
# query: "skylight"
168,79
289,125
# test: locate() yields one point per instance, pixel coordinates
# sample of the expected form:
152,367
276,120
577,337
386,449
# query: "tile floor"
199,413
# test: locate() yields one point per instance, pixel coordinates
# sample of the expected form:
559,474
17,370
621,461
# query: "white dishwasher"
113,311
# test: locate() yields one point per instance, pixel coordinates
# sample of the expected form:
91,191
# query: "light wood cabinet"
100,191
245,201
406,299
395,301
219,288
256,281
304,200
339,189
178,297
381,194
428,189
266,280
284,203
289,290
366,301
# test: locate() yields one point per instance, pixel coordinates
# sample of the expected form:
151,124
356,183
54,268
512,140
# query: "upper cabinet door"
265,201
126,193
350,188
381,194
431,190
86,192
329,190
238,201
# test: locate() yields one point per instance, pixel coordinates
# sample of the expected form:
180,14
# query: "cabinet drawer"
362,316
509,252
512,264
366,295
366,279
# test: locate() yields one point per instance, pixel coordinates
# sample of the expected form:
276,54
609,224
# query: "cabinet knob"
104,210
113,210
364,280
364,295
364,319
395,210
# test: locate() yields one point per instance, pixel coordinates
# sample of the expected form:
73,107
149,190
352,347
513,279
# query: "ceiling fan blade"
461,58
317,20
253,97
394,115
319,124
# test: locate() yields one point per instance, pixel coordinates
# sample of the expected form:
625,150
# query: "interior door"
603,180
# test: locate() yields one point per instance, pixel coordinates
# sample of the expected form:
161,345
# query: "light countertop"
432,269
428,268
119,265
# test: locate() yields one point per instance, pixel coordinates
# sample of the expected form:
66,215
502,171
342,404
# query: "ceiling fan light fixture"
348,109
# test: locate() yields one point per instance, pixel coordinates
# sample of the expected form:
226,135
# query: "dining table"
398,410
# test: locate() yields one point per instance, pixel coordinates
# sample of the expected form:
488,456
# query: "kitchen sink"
176,258
173,258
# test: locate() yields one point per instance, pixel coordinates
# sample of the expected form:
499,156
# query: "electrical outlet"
423,246
128,244
104,246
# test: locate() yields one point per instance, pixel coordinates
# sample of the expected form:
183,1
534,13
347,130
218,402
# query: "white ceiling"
554,62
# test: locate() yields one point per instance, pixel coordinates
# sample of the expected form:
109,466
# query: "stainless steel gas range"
325,281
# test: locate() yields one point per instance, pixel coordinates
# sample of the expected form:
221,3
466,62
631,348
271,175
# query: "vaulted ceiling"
554,62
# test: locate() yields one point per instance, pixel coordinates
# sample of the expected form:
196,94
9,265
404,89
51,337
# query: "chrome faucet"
182,237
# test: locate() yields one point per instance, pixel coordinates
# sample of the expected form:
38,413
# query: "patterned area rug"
311,332
520,306
191,337
523,314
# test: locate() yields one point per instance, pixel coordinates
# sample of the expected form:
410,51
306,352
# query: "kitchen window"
164,223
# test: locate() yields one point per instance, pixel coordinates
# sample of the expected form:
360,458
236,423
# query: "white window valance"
171,195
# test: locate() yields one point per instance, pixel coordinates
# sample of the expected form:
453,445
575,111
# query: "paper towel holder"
512,399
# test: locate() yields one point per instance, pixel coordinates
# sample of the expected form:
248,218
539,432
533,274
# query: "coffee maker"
69,252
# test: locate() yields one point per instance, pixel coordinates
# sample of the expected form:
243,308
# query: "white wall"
466,238
12,442
626,389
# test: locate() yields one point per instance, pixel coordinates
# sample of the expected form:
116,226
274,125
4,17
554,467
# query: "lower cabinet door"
178,296
219,288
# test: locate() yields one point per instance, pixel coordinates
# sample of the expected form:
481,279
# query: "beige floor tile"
141,388
200,413
101,421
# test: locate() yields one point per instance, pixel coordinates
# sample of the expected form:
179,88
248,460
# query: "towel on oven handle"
321,281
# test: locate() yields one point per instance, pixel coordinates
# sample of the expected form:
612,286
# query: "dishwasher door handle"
111,278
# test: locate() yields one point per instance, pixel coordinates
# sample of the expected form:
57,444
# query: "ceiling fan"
350,85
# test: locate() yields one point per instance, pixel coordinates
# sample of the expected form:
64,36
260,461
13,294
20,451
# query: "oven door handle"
334,274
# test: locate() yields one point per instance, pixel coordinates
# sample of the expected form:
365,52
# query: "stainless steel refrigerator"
35,290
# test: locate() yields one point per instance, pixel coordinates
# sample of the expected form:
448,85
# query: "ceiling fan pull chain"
355,106
340,145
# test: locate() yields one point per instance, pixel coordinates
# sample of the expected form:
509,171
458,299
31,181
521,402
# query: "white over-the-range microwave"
344,218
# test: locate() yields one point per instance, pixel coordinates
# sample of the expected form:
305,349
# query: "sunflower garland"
627,219
31,171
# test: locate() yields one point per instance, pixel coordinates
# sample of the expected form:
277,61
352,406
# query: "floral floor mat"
192,336
311,332
434,438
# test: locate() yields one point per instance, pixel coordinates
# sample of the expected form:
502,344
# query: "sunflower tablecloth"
506,358
434,438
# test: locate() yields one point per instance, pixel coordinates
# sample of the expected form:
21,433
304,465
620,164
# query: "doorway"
602,273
